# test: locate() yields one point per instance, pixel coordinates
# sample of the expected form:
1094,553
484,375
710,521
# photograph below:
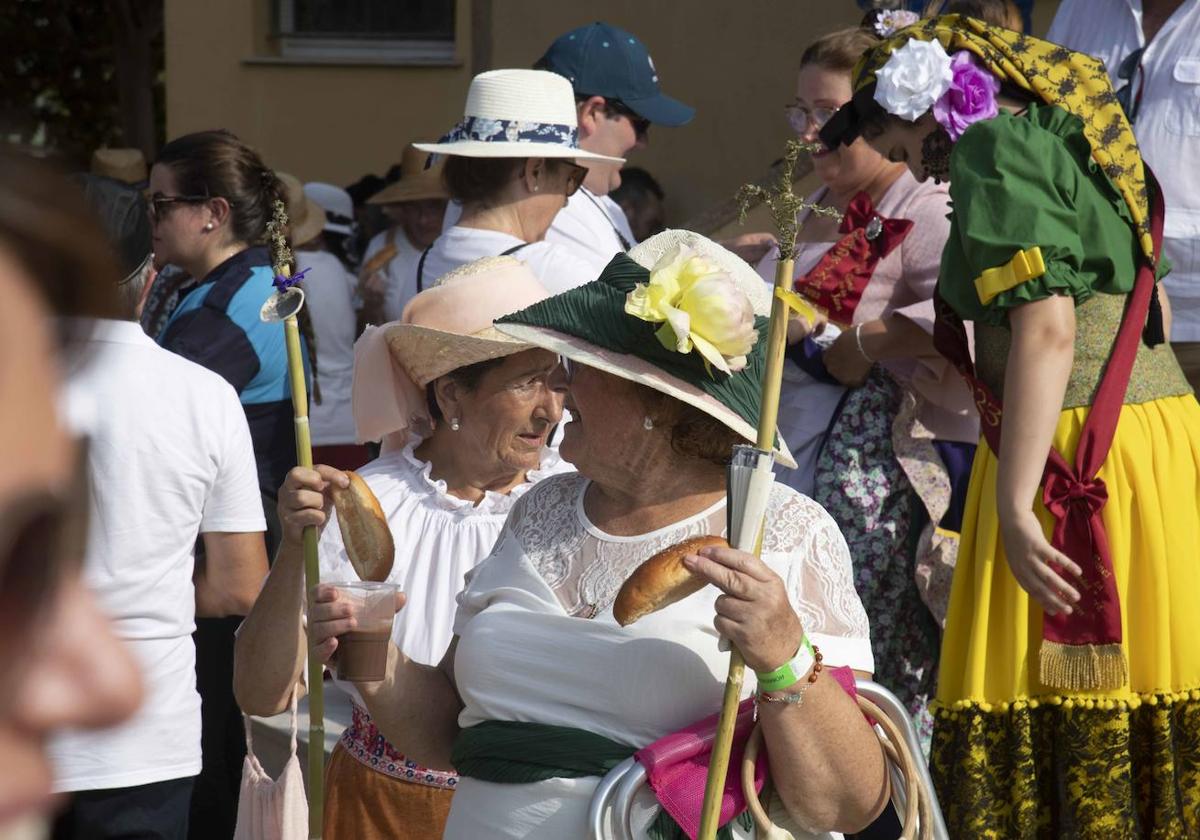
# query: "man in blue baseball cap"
618,97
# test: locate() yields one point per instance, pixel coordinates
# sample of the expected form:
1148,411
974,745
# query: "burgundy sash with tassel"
1080,651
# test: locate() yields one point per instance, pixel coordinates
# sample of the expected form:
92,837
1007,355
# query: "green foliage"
58,75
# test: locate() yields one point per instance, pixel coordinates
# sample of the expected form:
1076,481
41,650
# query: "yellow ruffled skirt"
1014,758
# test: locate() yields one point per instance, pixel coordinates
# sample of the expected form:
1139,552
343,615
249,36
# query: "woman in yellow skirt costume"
1069,688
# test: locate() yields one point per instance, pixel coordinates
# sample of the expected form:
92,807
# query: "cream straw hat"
518,114
446,327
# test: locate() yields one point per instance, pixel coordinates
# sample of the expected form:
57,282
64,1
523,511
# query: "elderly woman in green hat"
663,359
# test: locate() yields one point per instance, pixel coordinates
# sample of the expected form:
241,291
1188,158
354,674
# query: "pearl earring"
454,427
648,424
208,226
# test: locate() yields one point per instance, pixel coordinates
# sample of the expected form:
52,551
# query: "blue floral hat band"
489,137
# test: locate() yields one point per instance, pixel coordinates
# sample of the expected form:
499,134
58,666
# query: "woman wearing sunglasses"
211,198
512,163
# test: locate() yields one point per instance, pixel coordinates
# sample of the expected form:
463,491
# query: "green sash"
508,752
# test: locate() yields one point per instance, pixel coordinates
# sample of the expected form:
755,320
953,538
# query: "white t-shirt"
400,271
557,268
169,458
329,300
591,227
1167,125
537,642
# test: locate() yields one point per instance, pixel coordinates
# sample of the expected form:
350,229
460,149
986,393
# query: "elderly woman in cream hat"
542,689
512,163
465,413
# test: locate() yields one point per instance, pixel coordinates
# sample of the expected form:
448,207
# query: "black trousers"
157,811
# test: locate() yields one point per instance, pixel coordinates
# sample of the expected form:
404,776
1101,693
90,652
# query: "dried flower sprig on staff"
785,205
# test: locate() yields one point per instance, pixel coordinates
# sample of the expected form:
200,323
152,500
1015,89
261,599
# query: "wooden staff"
287,306
785,208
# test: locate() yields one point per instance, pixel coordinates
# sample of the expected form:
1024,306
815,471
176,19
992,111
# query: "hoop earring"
935,155
648,424
454,427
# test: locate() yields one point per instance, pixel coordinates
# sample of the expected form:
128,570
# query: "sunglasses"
160,204
800,118
641,125
43,536
1131,100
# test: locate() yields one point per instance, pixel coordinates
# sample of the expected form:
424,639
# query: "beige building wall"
733,61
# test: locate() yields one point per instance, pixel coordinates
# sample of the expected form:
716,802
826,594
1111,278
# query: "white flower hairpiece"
914,77
891,21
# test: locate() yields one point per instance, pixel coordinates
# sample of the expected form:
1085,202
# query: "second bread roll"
660,581
364,529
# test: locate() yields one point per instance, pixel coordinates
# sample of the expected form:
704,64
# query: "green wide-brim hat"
589,326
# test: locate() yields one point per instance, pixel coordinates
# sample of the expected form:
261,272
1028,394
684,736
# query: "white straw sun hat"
518,114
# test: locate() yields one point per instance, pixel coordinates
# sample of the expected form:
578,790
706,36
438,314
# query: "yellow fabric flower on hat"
700,307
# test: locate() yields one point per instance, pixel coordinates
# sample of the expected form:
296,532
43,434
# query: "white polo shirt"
592,227
169,458
1167,126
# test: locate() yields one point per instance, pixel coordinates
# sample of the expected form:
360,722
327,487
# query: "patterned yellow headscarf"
1073,81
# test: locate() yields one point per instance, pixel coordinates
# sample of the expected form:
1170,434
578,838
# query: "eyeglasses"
160,204
1131,100
800,118
641,125
43,536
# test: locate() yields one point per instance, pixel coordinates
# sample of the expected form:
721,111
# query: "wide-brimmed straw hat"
592,325
306,219
446,327
518,114
418,182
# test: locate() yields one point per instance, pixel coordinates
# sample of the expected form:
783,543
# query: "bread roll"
660,581
364,529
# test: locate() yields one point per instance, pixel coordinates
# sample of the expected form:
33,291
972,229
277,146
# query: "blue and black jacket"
217,325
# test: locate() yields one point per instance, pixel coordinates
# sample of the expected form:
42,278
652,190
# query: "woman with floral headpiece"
1069,689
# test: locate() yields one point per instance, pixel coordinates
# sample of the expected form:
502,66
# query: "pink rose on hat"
970,98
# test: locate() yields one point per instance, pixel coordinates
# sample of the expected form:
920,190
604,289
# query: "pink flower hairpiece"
970,98
921,76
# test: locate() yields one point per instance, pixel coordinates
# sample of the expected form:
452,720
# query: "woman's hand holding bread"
754,612
305,499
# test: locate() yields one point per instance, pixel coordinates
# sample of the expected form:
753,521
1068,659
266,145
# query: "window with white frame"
368,30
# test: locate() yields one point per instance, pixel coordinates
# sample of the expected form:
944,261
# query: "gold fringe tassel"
1082,667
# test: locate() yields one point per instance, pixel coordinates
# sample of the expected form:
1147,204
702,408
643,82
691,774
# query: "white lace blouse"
438,538
538,641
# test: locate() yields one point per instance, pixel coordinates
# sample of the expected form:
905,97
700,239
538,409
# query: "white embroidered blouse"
538,641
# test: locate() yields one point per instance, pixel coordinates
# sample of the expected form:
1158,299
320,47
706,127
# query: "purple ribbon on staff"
284,283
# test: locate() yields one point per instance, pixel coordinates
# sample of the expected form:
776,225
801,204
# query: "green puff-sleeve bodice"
1032,216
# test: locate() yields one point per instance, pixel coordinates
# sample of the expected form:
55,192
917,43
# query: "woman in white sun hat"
512,163
465,413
